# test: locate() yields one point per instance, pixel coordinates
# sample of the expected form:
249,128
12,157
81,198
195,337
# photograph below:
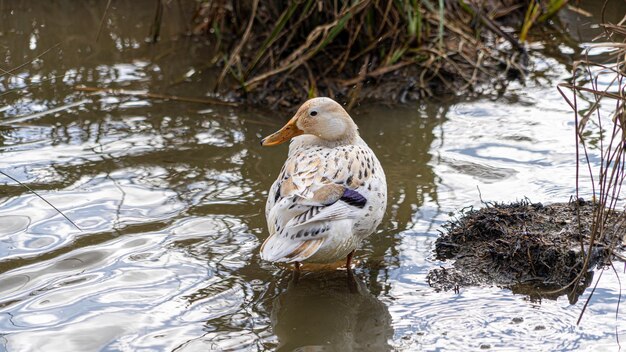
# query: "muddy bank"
529,247
279,53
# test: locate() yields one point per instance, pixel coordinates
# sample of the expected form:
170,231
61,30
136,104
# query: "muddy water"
169,197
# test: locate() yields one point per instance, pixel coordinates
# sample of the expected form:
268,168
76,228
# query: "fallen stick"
37,115
144,94
40,197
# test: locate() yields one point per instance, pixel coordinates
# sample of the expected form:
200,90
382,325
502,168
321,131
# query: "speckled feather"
326,200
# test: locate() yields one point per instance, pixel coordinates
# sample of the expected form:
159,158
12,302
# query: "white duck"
331,192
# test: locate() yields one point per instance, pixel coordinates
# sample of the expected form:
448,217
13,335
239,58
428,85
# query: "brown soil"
525,246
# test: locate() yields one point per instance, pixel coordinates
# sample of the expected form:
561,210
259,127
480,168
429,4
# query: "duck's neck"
308,140
348,138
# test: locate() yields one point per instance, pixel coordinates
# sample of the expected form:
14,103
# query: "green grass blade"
553,7
280,24
334,31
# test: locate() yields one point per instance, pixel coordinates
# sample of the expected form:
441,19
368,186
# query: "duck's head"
320,117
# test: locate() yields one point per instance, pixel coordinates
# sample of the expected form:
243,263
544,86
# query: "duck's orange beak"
286,133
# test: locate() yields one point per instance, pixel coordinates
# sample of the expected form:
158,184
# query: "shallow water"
170,197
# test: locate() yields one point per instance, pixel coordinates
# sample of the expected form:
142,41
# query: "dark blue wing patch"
353,198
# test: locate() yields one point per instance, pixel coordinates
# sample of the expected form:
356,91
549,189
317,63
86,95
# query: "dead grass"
278,53
597,96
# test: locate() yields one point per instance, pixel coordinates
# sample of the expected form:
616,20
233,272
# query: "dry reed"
601,141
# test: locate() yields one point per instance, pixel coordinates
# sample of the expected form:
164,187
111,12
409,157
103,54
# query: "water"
170,198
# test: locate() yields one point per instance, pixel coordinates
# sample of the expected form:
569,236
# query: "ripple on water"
105,289
503,153
11,224
214,133
97,206
223,241
481,171
10,227
137,291
471,321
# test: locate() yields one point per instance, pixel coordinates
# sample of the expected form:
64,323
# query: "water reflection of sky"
170,200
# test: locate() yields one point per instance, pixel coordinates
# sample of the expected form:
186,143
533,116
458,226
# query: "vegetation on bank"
597,96
281,52
554,248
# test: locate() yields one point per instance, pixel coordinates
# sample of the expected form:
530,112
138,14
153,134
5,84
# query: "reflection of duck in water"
331,192
322,313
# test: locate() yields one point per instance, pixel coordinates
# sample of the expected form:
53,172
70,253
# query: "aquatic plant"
281,52
601,140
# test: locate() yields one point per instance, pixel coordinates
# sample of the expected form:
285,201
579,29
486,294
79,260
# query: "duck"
331,192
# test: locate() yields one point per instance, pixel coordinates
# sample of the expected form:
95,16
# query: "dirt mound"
517,244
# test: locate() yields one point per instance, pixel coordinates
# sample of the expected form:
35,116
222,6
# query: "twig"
40,197
377,72
589,298
30,84
143,94
42,113
155,27
235,53
619,301
618,255
104,16
10,72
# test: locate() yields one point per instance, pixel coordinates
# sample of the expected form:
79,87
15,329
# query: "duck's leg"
352,286
349,260
351,280
296,272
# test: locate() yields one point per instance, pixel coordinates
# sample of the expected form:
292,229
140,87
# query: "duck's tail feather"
289,251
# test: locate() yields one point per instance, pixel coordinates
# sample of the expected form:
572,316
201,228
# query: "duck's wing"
310,199
303,234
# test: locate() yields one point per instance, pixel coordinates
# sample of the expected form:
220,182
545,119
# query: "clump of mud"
517,244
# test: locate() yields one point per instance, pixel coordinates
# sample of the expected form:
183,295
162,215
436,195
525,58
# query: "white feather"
294,217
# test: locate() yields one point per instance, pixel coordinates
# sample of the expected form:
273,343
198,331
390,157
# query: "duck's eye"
313,113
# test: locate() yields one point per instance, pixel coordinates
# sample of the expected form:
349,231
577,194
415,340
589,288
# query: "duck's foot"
296,272
351,280
352,286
